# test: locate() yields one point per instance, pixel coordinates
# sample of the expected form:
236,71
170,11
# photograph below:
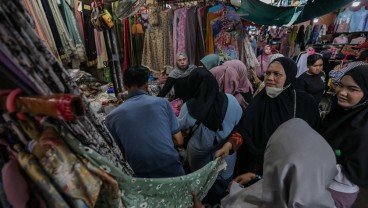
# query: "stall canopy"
266,14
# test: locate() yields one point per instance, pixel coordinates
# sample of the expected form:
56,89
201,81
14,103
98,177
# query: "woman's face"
348,92
182,62
267,50
316,68
275,75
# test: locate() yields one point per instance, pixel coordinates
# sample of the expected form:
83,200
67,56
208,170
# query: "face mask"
273,92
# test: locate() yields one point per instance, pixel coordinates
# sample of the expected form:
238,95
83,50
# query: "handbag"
137,27
106,19
190,134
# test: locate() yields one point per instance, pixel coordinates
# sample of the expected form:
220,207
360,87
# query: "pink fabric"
79,16
343,200
36,22
175,41
232,78
176,106
15,186
183,17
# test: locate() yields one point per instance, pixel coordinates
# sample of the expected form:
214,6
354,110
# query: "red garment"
127,46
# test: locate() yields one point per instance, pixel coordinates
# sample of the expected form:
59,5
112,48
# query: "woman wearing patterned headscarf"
178,78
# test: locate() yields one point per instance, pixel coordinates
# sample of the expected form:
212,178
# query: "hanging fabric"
71,24
34,58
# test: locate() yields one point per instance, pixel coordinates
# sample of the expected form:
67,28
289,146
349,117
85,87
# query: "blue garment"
314,35
143,125
358,21
205,142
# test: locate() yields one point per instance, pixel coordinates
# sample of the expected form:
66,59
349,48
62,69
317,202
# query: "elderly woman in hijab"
346,129
259,83
292,176
178,78
232,77
215,114
275,104
210,61
263,60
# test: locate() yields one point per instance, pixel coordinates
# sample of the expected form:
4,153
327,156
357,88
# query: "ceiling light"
315,20
356,3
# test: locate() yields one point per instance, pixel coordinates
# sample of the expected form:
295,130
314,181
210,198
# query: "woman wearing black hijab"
346,129
274,105
218,113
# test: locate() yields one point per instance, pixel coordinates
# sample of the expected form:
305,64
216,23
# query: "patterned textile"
157,49
19,40
170,192
71,23
69,174
30,165
110,195
337,74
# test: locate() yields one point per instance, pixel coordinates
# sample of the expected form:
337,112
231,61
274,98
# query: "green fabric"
170,192
210,61
266,14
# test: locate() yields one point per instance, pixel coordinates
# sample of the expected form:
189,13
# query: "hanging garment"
308,32
210,42
73,30
78,9
314,35
136,42
181,32
42,30
322,31
67,42
358,20
249,57
343,20
170,192
127,47
44,9
156,53
89,38
191,44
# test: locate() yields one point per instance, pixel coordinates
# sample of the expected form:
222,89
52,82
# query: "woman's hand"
224,151
196,202
245,178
